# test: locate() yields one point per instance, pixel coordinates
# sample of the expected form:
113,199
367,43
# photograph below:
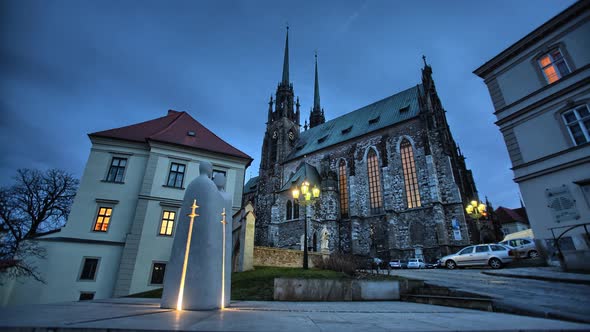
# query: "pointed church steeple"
316,90
316,117
285,80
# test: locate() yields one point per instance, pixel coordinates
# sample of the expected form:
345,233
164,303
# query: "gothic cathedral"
392,180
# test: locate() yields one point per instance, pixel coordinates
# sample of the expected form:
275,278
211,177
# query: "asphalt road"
553,299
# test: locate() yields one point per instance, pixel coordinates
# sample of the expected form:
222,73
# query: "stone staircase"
430,294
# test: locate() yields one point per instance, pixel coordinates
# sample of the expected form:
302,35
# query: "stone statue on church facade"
325,240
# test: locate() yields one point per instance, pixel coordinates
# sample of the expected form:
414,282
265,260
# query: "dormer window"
321,140
347,130
553,65
404,109
374,120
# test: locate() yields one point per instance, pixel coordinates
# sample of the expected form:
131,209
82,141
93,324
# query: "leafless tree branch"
37,202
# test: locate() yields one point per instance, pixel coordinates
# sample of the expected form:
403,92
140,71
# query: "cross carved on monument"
193,208
192,215
223,222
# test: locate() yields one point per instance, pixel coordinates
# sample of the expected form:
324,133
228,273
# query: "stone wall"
265,256
292,289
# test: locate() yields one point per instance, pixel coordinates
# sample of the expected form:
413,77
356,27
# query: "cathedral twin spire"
316,116
285,80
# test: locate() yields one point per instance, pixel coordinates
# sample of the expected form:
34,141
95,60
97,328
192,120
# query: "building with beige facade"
540,89
119,233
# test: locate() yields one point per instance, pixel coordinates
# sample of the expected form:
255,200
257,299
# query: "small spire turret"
270,102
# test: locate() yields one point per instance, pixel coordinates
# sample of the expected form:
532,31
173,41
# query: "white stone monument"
198,276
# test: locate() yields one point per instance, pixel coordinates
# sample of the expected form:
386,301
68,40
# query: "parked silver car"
525,247
416,263
494,255
395,264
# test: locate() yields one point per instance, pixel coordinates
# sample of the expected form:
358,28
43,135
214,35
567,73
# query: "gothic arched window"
343,182
289,210
410,179
295,209
376,196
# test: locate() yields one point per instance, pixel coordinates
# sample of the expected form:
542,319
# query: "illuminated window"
410,179
553,66
103,219
295,209
289,209
117,170
176,175
89,267
85,296
158,270
167,224
376,197
342,179
578,124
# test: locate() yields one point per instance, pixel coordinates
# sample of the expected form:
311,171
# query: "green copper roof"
386,112
316,92
250,186
286,61
305,171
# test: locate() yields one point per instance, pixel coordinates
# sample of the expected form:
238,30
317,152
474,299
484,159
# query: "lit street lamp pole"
307,195
476,210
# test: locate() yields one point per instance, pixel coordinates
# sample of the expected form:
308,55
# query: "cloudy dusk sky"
69,68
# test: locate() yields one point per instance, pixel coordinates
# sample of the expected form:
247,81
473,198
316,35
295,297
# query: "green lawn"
258,284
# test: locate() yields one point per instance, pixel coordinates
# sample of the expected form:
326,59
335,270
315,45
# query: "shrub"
347,264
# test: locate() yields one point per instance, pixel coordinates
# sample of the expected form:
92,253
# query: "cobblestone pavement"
521,296
145,314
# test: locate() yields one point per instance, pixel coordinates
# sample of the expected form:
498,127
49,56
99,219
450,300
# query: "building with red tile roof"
512,220
119,234
178,128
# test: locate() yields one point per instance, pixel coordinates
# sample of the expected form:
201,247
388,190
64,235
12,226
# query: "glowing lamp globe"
305,187
316,192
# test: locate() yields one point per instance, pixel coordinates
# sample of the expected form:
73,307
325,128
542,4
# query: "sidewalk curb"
543,278
515,309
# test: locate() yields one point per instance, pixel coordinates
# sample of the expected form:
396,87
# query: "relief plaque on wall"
561,203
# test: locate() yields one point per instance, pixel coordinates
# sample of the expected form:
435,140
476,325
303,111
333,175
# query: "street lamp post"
476,210
307,199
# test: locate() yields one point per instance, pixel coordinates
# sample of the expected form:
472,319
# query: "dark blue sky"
69,68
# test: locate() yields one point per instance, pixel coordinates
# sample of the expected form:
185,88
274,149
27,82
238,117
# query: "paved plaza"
145,315
567,299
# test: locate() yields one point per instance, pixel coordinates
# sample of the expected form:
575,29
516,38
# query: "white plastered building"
119,233
540,88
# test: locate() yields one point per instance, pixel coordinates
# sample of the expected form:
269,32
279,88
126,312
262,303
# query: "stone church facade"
393,181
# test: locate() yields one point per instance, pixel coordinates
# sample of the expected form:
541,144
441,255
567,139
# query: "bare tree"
38,202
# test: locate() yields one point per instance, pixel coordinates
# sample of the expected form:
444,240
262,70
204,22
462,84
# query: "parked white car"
416,263
494,255
525,247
